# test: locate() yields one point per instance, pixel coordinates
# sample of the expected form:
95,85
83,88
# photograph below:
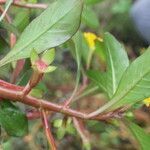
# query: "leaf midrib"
120,98
42,33
114,101
113,71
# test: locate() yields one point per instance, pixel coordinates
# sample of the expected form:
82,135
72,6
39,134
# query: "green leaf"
53,27
50,69
3,45
60,132
142,137
34,56
117,63
93,1
12,119
90,18
21,18
9,27
134,85
100,53
48,56
58,123
99,79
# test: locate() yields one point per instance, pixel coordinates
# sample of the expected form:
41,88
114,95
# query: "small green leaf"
61,132
48,56
12,119
142,137
57,24
58,123
34,56
50,69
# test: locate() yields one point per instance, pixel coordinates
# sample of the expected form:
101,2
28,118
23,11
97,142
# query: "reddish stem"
81,130
7,85
14,93
35,79
26,5
8,19
47,129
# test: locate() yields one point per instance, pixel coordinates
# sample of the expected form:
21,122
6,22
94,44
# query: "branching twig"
26,5
6,15
17,70
35,79
81,130
48,133
77,93
14,93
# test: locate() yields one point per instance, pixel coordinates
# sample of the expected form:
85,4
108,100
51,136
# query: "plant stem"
49,135
26,5
81,130
35,79
14,93
89,91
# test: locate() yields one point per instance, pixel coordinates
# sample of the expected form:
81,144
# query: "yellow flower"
90,38
147,102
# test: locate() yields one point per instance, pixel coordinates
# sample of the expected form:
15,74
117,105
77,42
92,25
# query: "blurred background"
128,21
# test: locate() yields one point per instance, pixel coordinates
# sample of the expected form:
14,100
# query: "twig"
81,130
14,93
6,9
49,135
6,15
35,79
20,63
76,93
17,70
26,5
91,90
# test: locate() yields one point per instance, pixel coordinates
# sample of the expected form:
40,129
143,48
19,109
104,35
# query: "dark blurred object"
140,13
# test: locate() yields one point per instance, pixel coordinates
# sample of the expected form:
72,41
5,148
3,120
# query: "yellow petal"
90,38
147,102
